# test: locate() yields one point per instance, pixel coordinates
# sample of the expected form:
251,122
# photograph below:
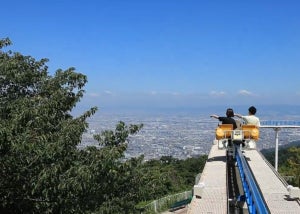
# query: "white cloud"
153,93
104,93
245,93
175,94
112,99
218,93
107,92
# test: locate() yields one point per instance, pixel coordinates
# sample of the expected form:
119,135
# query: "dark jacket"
228,120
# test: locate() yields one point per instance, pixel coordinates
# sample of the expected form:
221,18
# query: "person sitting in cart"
250,119
228,119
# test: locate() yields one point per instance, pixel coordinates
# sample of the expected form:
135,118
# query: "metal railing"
279,123
254,199
277,126
164,203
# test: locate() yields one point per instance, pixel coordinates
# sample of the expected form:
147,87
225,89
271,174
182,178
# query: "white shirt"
251,120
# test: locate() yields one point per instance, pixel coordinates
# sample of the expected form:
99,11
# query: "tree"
288,162
42,170
291,166
169,175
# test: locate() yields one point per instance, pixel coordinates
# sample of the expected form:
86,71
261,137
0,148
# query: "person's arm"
238,115
244,118
214,116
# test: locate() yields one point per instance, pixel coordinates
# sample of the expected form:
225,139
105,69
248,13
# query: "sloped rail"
254,198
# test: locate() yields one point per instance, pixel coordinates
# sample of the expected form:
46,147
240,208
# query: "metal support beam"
276,146
277,128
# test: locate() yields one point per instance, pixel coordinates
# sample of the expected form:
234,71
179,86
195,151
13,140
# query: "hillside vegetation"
288,162
41,168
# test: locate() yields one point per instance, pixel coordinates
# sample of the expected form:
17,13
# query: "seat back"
250,132
224,131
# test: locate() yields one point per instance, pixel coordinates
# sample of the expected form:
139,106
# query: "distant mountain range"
265,112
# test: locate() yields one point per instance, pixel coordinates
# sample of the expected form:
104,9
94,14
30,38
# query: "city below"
180,135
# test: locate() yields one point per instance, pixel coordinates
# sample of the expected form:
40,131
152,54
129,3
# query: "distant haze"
264,112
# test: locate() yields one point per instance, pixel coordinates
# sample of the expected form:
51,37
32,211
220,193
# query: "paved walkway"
214,194
179,211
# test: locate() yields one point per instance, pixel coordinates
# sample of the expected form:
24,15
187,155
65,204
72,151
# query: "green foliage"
291,167
288,163
41,168
169,175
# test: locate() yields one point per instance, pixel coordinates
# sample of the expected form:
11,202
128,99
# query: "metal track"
253,196
236,202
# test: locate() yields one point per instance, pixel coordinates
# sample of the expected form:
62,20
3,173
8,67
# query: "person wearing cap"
228,119
250,119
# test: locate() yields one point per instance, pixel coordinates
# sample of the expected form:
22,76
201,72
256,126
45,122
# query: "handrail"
254,199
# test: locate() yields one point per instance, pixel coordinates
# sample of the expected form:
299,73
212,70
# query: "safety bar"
250,131
224,131
254,199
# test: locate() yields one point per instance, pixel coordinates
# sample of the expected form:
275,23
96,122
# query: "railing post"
277,126
276,147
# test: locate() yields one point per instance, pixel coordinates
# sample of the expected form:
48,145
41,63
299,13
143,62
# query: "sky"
165,53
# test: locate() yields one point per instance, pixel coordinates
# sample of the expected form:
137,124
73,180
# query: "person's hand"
214,116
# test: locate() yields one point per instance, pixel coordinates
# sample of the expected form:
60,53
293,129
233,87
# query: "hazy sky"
152,53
